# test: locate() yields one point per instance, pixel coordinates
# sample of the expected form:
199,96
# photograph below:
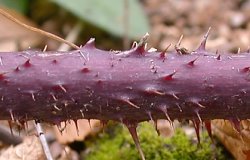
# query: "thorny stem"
70,38
125,86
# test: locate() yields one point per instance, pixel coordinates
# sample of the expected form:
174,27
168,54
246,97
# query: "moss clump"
116,144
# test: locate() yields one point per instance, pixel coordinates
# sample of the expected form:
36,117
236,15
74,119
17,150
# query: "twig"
50,35
43,140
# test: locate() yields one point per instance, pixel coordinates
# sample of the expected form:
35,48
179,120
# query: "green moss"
116,144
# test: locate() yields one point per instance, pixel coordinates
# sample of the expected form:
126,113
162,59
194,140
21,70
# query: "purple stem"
123,86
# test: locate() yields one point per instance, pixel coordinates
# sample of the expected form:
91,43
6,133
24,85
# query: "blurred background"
116,24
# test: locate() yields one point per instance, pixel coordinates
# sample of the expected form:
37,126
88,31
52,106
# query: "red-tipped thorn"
133,133
236,125
77,129
104,123
219,57
54,61
209,129
170,76
140,48
163,53
191,63
2,77
202,46
245,70
197,129
17,69
27,63
85,70
156,127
